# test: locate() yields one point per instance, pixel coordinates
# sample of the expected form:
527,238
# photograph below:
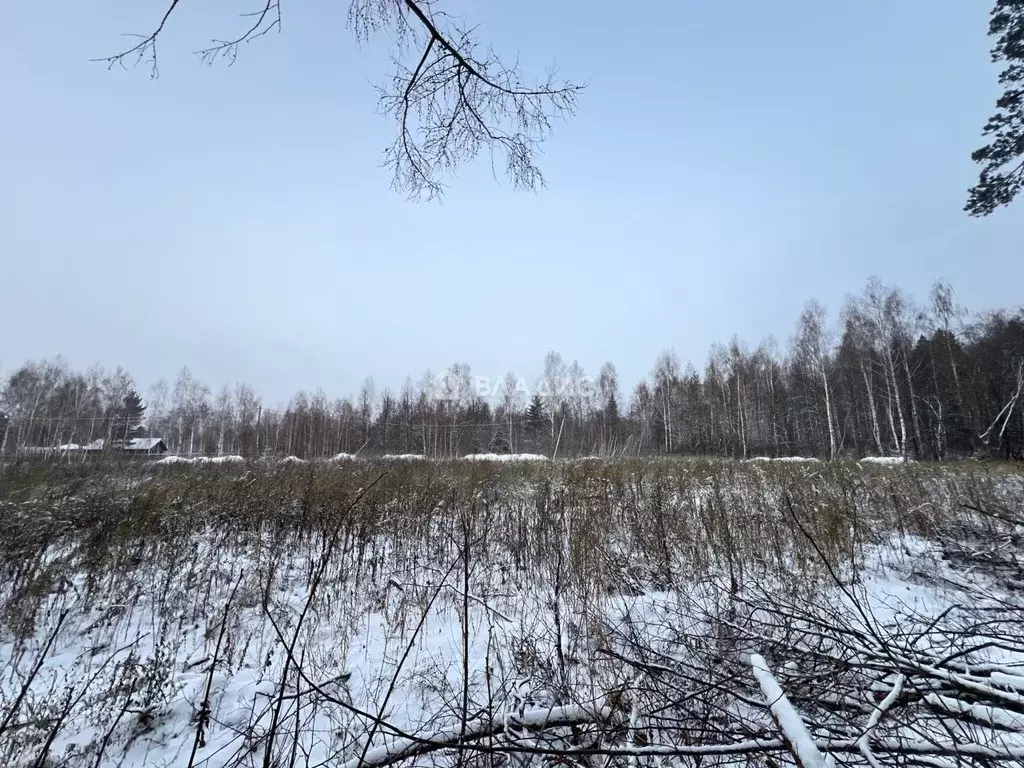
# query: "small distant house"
145,446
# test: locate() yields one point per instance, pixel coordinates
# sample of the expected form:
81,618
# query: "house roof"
143,443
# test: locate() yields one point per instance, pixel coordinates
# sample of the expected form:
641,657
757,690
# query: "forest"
889,376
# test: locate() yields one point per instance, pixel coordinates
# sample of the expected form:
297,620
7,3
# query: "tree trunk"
828,411
876,433
740,419
894,396
914,416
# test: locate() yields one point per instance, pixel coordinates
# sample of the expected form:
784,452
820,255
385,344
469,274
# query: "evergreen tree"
1002,159
535,416
130,419
498,443
611,411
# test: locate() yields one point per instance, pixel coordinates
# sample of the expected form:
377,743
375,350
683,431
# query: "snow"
363,627
534,718
344,457
403,457
292,460
884,460
505,457
353,648
173,459
1002,718
1015,682
143,443
785,459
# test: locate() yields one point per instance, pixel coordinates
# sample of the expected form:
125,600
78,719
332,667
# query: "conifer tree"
130,419
1002,159
535,416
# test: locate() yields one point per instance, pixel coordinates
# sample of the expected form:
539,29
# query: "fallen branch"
794,731
458,735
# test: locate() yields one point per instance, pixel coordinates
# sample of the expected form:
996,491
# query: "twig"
204,710
13,710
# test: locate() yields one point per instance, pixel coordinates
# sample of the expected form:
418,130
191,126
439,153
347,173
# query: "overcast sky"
729,161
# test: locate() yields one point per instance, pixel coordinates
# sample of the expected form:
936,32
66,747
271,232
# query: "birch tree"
513,401
551,388
811,349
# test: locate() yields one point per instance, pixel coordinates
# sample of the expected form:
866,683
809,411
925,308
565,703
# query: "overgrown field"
534,613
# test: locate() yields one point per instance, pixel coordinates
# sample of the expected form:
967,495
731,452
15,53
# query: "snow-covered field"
369,613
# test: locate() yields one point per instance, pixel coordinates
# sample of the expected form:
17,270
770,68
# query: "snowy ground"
486,613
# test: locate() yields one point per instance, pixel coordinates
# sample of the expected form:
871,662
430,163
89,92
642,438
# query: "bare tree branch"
450,106
229,48
145,48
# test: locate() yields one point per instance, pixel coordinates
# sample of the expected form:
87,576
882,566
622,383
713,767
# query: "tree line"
891,377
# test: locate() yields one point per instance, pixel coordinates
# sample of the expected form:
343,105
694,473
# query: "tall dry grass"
131,564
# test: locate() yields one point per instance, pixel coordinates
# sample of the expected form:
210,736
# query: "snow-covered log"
795,732
536,719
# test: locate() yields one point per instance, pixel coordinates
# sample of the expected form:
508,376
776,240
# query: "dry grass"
144,562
